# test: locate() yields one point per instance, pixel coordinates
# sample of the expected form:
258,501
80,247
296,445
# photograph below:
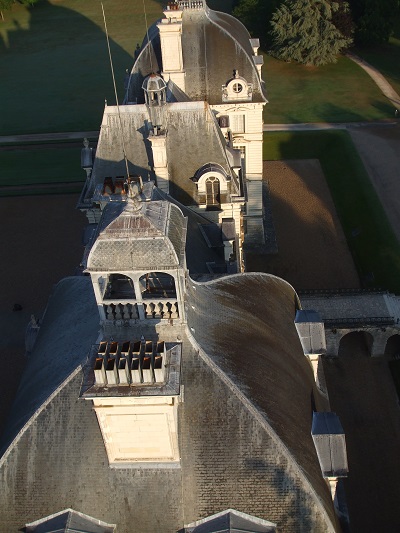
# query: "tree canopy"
256,15
7,4
304,31
374,19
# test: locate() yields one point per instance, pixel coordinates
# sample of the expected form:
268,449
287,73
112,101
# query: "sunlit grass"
338,92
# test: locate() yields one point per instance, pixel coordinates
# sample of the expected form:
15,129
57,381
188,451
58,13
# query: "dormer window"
212,185
237,88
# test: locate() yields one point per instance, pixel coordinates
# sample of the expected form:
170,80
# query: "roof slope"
229,456
146,236
193,139
245,323
70,326
213,44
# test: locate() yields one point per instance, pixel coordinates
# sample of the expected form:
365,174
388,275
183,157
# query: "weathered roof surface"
148,61
193,139
150,236
68,330
213,44
342,305
245,323
230,456
198,253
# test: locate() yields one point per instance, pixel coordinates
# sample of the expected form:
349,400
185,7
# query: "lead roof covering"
150,238
245,323
213,45
232,521
69,521
330,443
193,139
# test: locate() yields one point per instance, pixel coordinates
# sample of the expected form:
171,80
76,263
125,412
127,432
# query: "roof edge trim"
69,510
246,516
259,81
229,276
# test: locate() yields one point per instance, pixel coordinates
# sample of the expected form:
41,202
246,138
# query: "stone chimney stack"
170,29
158,140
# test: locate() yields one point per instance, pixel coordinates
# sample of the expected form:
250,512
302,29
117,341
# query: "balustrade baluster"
174,311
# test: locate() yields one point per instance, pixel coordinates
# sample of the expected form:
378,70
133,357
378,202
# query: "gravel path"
378,78
312,249
379,149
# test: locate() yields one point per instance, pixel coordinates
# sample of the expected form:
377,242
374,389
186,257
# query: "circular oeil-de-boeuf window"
237,87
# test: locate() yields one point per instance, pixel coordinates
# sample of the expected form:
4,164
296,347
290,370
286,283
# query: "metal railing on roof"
185,4
340,292
359,322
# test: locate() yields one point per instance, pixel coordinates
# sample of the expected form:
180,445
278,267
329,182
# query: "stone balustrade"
161,309
157,309
121,311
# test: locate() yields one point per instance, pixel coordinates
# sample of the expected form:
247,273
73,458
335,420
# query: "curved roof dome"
151,238
154,83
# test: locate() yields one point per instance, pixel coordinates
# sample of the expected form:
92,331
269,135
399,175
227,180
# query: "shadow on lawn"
329,112
58,71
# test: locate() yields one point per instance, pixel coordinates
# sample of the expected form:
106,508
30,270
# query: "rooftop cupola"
154,90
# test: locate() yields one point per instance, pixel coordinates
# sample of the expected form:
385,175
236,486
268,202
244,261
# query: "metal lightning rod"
115,91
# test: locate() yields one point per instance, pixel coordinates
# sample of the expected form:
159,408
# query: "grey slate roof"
246,325
149,238
69,327
213,44
198,254
230,455
193,139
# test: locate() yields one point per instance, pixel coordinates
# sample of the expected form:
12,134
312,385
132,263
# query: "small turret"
154,90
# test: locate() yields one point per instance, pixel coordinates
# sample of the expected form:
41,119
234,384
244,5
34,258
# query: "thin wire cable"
147,33
115,91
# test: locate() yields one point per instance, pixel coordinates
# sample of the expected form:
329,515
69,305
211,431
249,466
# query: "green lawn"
56,75
54,62
371,240
386,58
40,166
55,72
339,92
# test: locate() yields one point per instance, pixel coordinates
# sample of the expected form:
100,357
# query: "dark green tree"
256,15
303,31
6,5
374,20
343,19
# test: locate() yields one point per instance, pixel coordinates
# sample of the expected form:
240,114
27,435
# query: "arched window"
119,286
212,192
157,285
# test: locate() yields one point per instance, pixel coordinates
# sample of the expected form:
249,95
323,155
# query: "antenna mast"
116,95
147,33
